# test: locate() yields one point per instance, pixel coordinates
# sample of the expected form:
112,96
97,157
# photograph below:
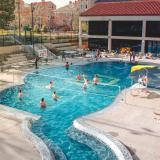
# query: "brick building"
22,11
43,13
66,17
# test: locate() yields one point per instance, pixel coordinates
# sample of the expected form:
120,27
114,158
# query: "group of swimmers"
42,102
86,81
51,85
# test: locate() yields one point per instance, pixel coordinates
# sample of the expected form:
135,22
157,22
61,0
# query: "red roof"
129,8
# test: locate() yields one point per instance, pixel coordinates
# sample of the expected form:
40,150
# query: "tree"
44,28
7,8
36,29
84,27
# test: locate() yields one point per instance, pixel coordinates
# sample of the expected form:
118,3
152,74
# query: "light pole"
19,17
32,14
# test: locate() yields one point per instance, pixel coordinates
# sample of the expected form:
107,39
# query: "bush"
44,28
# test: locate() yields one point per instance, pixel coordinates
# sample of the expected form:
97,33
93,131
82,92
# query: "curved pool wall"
40,125
117,148
26,123
103,151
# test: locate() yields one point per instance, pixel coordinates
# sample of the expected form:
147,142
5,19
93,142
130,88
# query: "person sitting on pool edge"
43,103
20,94
55,96
95,80
67,66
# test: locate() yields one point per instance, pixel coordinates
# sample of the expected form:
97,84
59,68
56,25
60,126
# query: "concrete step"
67,48
11,61
17,57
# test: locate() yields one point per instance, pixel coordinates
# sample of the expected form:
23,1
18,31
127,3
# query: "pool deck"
12,142
133,122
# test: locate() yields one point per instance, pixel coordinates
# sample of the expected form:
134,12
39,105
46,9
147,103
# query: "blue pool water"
59,115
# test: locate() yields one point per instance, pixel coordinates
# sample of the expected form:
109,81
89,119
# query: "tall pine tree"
7,8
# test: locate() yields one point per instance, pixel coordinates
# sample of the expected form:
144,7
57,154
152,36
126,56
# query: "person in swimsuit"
67,66
85,84
79,77
20,94
43,103
55,96
50,86
95,80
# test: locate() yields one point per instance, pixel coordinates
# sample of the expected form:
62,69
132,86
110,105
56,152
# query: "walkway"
135,122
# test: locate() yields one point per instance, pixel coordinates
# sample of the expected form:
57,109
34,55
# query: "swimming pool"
59,115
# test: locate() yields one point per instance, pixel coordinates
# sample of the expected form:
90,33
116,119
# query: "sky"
59,3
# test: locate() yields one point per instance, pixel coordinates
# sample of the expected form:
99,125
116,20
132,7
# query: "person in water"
85,84
43,103
67,66
79,77
95,80
20,94
55,96
50,86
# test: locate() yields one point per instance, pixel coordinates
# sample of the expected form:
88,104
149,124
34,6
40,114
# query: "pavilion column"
80,33
109,35
143,36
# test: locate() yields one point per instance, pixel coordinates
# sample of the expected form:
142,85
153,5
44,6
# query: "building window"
98,43
152,47
98,28
117,44
127,28
153,29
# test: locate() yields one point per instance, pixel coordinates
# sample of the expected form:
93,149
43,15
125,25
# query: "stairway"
15,59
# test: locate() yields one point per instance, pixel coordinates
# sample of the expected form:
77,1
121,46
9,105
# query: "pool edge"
26,120
121,152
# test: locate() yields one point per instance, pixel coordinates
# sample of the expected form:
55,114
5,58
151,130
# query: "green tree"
44,28
84,27
7,8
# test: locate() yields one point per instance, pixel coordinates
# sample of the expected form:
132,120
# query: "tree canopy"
7,8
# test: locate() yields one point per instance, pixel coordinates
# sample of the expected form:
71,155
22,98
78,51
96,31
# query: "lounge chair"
149,56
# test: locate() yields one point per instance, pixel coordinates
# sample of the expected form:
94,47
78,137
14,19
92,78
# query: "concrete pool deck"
133,124
12,142
134,121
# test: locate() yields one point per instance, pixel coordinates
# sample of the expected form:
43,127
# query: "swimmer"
67,66
50,86
43,103
85,84
79,77
95,80
20,94
55,96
